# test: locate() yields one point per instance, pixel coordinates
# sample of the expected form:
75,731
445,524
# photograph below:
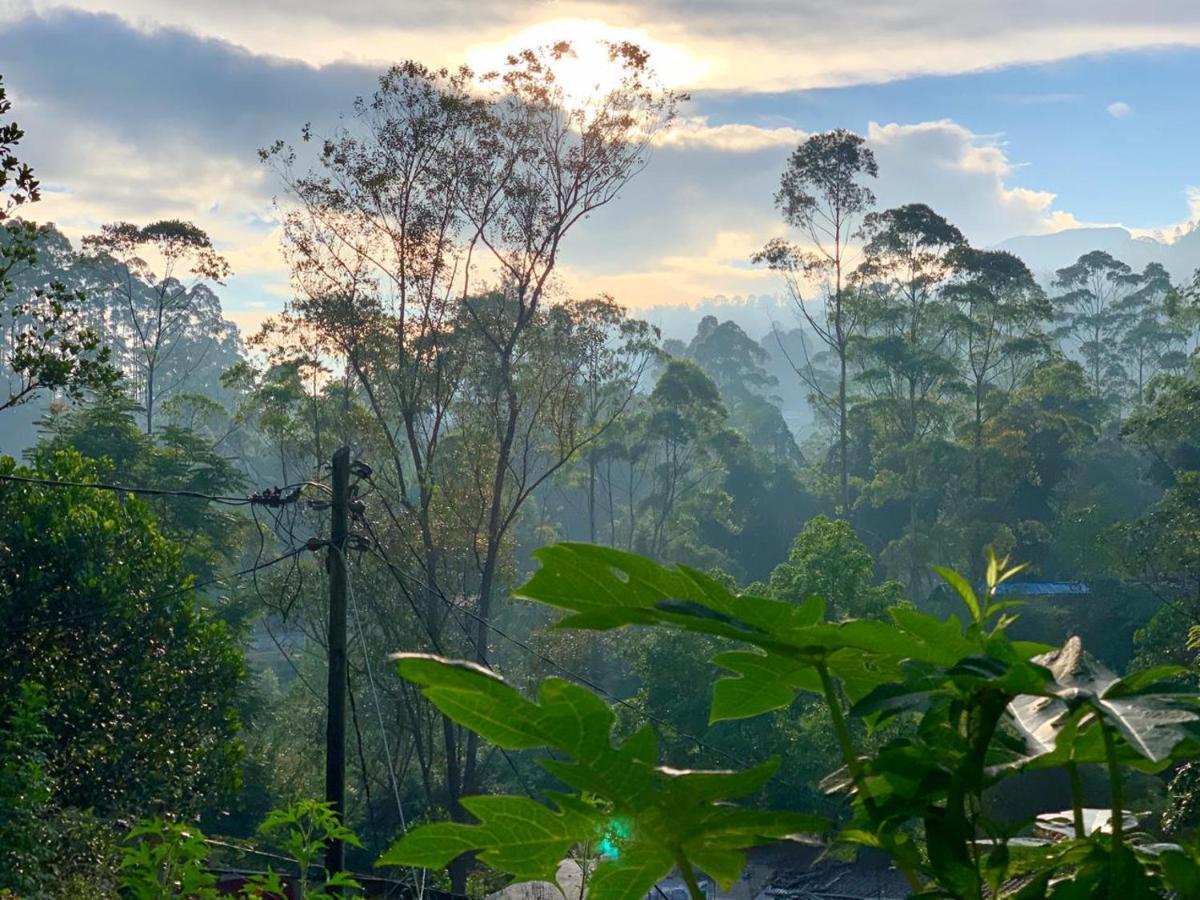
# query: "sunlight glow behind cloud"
590,72
755,45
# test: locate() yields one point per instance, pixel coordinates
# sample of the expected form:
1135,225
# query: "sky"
1010,118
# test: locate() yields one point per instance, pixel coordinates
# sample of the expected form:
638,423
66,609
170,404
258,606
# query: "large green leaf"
515,834
605,588
667,814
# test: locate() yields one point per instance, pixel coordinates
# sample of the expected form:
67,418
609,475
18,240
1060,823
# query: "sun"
589,73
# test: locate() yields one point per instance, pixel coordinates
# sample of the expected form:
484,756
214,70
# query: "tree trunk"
150,399
591,499
978,440
843,444
840,335
495,534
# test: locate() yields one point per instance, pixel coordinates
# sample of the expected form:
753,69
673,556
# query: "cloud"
965,176
1119,109
171,127
694,132
752,45
719,266
659,258
1169,234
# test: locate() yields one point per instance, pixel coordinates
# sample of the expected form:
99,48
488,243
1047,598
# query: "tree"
999,310
17,182
821,194
615,353
144,678
737,365
829,560
683,420
731,359
174,458
1094,313
281,404
1151,336
909,255
423,248
907,366
1162,547
159,274
46,345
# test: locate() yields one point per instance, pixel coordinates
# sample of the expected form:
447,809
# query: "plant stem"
1076,799
689,877
853,765
1114,778
840,728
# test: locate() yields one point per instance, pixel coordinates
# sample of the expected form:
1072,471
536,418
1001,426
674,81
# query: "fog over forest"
497,452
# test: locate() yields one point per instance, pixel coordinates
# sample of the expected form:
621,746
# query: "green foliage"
143,682
670,817
174,458
164,859
828,560
17,183
51,347
958,684
303,831
46,851
25,791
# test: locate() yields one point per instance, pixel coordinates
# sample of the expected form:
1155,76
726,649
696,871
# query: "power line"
124,489
270,497
575,676
387,750
99,613
362,637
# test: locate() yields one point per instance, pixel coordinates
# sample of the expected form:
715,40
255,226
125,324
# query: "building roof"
1041,588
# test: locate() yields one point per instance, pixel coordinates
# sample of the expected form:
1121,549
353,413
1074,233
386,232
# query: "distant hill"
1044,253
757,315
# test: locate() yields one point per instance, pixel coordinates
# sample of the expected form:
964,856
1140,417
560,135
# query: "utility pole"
335,725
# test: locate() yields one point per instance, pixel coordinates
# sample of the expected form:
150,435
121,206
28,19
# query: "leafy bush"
144,680
983,708
170,859
166,859
25,790
45,850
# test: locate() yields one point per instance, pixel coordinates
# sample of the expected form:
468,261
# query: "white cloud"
1169,234
720,266
753,45
694,133
140,146
965,176
91,177
1119,109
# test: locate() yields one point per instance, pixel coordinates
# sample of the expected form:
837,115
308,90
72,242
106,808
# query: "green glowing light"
615,837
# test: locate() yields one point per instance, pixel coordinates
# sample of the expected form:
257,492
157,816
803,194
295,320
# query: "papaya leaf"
667,814
605,588
763,682
515,834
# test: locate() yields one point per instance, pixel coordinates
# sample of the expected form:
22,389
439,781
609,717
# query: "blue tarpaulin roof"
1040,588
